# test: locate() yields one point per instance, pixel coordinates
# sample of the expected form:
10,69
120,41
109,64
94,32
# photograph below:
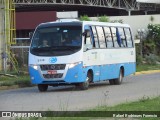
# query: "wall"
69,15
30,20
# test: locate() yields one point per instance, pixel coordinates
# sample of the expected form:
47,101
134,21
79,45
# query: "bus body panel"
107,63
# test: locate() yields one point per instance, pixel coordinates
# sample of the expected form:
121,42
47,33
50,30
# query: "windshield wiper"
37,49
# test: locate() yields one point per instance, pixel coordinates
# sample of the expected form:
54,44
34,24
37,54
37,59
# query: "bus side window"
108,37
101,37
128,37
95,37
122,37
114,36
88,40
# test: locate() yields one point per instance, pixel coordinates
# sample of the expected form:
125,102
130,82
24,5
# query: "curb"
147,72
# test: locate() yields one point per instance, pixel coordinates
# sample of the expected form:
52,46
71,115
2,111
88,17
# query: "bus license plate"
52,72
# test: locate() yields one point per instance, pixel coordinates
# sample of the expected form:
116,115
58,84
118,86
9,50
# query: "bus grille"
51,76
53,67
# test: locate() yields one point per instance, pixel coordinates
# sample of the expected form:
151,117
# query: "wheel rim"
87,81
85,84
89,77
120,76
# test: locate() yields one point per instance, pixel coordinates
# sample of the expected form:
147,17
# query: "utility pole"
2,41
8,32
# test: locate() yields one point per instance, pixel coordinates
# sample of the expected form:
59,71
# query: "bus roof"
104,23
49,24
77,22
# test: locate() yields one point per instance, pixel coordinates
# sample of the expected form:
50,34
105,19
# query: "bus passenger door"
91,55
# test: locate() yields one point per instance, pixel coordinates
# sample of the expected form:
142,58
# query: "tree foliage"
100,19
153,38
103,19
151,46
84,18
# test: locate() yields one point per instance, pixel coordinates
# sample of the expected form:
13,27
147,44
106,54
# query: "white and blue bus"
80,52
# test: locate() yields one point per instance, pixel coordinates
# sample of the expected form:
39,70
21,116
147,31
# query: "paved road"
69,98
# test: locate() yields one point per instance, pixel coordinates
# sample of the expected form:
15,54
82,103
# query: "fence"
20,51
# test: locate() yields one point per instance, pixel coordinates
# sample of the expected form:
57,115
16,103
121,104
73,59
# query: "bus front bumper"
73,74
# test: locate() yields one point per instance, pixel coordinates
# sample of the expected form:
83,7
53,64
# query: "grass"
144,104
9,78
60,118
146,67
20,81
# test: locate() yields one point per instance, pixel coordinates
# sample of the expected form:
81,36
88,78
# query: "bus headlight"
34,67
73,64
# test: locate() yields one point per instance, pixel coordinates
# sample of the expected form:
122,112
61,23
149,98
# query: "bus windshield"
56,40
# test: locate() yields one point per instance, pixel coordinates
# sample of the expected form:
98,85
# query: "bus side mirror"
86,33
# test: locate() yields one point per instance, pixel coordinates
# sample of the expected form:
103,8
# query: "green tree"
153,38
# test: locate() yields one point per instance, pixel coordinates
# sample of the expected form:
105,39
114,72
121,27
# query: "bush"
139,60
151,59
103,19
85,18
154,37
23,83
8,83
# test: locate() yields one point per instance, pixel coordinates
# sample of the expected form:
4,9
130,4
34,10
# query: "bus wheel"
112,81
85,85
119,80
42,87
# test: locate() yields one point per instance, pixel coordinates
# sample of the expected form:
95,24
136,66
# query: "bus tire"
119,80
85,85
112,82
42,87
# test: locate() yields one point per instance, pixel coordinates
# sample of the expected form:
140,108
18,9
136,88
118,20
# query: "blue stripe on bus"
75,74
35,76
111,71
